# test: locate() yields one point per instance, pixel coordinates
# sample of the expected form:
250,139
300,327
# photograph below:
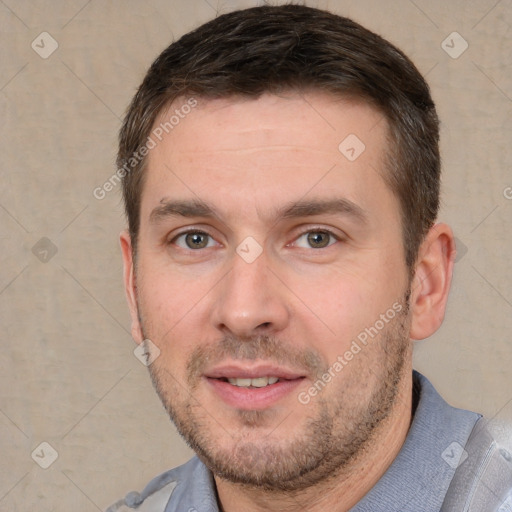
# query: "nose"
251,300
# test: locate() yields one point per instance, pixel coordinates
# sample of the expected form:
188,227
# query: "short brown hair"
271,49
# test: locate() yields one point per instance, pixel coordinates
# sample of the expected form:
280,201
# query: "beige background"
68,375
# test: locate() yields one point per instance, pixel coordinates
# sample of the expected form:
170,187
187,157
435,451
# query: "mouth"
258,382
252,388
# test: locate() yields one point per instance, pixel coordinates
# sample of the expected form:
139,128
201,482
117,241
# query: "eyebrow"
193,208
310,208
302,208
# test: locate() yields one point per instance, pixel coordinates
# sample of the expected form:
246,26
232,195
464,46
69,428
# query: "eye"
193,240
318,239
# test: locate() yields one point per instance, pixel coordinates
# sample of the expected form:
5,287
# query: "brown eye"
319,239
193,240
196,240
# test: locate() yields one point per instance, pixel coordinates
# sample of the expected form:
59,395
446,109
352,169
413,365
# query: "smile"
253,387
258,382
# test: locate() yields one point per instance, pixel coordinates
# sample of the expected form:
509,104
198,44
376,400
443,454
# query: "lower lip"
253,398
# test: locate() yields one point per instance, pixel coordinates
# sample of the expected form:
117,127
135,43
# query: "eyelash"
330,233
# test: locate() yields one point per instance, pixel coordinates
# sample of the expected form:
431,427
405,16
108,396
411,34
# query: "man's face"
264,253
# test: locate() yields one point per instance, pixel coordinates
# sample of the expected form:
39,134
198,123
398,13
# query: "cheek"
335,307
172,312
168,295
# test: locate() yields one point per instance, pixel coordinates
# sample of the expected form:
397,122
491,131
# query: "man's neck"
338,494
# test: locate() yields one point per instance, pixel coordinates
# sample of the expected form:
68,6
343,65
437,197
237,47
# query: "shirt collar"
419,477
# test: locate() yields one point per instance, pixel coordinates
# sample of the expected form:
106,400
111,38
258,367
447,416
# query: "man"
281,183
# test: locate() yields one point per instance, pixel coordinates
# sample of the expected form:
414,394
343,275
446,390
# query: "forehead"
288,118
271,150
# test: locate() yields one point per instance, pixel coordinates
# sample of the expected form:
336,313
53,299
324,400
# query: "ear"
432,280
130,286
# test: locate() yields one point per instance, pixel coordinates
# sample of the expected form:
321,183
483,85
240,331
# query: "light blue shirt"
417,481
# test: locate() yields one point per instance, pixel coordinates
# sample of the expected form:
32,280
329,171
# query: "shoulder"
478,450
178,485
484,472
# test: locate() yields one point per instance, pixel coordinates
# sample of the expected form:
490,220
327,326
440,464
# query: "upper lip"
247,371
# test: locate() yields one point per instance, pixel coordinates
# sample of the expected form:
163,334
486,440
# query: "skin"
296,306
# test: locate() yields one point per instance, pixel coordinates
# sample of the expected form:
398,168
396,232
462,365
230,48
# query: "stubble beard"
337,431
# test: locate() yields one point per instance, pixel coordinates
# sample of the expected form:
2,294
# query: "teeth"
259,382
